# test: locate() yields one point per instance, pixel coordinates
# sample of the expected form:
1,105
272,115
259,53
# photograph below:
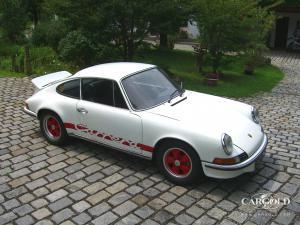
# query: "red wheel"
179,162
52,128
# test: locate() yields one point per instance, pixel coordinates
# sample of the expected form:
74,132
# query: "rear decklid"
41,82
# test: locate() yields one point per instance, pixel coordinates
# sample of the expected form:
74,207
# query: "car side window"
97,90
118,97
70,89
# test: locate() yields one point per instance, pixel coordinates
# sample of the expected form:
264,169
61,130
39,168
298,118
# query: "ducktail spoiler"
41,82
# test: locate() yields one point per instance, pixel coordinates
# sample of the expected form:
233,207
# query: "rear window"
70,88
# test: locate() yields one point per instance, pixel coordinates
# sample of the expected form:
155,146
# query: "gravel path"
85,183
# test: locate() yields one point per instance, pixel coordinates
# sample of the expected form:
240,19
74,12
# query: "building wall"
293,19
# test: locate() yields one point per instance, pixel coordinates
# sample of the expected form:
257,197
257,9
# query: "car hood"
212,115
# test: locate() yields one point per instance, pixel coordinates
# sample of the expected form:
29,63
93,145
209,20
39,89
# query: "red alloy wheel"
53,128
177,162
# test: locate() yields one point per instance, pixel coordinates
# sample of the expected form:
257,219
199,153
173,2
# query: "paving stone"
82,218
38,203
130,220
41,213
205,220
140,199
99,209
272,185
26,220
149,222
23,210
119,198
125,208
285,217
195,211
107,218
216,213
239,217
36,183
56,195
157,203
184,219
144,212
13,203
62,215
60,204
162,216
98,197
78,195
174,208
44,222
81,206
7,217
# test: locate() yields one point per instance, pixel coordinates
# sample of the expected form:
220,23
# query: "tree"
168,16
230,25
129,24
13,19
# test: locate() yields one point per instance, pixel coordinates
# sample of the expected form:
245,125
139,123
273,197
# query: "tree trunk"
163,40
27,64
130,50
13,63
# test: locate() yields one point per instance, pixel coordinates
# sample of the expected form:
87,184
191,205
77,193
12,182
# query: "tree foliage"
231,25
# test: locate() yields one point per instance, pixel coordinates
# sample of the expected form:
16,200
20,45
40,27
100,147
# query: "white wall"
192,30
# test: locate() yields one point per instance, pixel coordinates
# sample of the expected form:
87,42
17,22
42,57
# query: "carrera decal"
108,137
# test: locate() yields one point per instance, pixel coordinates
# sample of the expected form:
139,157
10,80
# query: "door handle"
82,110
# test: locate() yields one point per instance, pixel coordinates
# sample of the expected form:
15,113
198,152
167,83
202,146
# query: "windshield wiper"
180,91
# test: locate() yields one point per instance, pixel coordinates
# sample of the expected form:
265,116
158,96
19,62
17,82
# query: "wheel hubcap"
177,162
52,127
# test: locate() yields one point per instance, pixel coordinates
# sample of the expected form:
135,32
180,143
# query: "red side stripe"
145,147
70,126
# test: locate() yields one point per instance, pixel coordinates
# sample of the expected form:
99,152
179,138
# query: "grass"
234,83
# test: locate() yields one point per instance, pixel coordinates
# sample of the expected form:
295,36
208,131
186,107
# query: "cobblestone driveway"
85,183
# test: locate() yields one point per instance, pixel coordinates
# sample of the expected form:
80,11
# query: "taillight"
26,105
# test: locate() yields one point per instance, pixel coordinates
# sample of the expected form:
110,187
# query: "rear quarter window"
70,89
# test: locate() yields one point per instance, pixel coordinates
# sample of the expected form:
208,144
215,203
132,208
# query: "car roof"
115,71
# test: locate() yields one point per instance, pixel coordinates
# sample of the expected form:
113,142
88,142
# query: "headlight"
254,114
227,144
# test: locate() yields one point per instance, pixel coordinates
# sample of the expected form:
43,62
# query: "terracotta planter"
249,69
211,79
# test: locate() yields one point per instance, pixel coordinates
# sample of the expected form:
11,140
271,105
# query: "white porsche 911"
136,108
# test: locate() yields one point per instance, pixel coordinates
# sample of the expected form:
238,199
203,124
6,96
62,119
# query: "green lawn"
234,83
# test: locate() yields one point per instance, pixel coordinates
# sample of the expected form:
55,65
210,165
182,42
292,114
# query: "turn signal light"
226,161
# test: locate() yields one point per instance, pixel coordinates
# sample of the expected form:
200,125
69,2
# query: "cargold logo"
265,201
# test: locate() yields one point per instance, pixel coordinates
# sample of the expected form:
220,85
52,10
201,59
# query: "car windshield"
149,88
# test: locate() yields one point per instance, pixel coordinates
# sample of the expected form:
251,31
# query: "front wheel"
179,163
53,129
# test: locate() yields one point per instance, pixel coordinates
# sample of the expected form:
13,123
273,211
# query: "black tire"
61,138
195,173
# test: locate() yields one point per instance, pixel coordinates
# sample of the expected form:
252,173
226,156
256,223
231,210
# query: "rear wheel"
53,129
179,162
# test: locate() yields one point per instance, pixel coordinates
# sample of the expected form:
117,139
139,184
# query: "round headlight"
254,114
227,144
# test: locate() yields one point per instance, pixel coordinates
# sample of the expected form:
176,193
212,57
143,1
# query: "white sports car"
136,108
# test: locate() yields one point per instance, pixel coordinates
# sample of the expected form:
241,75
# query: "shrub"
77,49
49,33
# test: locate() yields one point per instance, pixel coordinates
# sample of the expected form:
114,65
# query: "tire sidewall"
63,137
196,172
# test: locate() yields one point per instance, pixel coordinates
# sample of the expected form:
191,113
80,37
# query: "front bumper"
29,112
245,164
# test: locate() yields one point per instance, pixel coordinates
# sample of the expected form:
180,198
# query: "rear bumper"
29,112
230,171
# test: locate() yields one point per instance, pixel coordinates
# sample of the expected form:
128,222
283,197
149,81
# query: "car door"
67,102
105,117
